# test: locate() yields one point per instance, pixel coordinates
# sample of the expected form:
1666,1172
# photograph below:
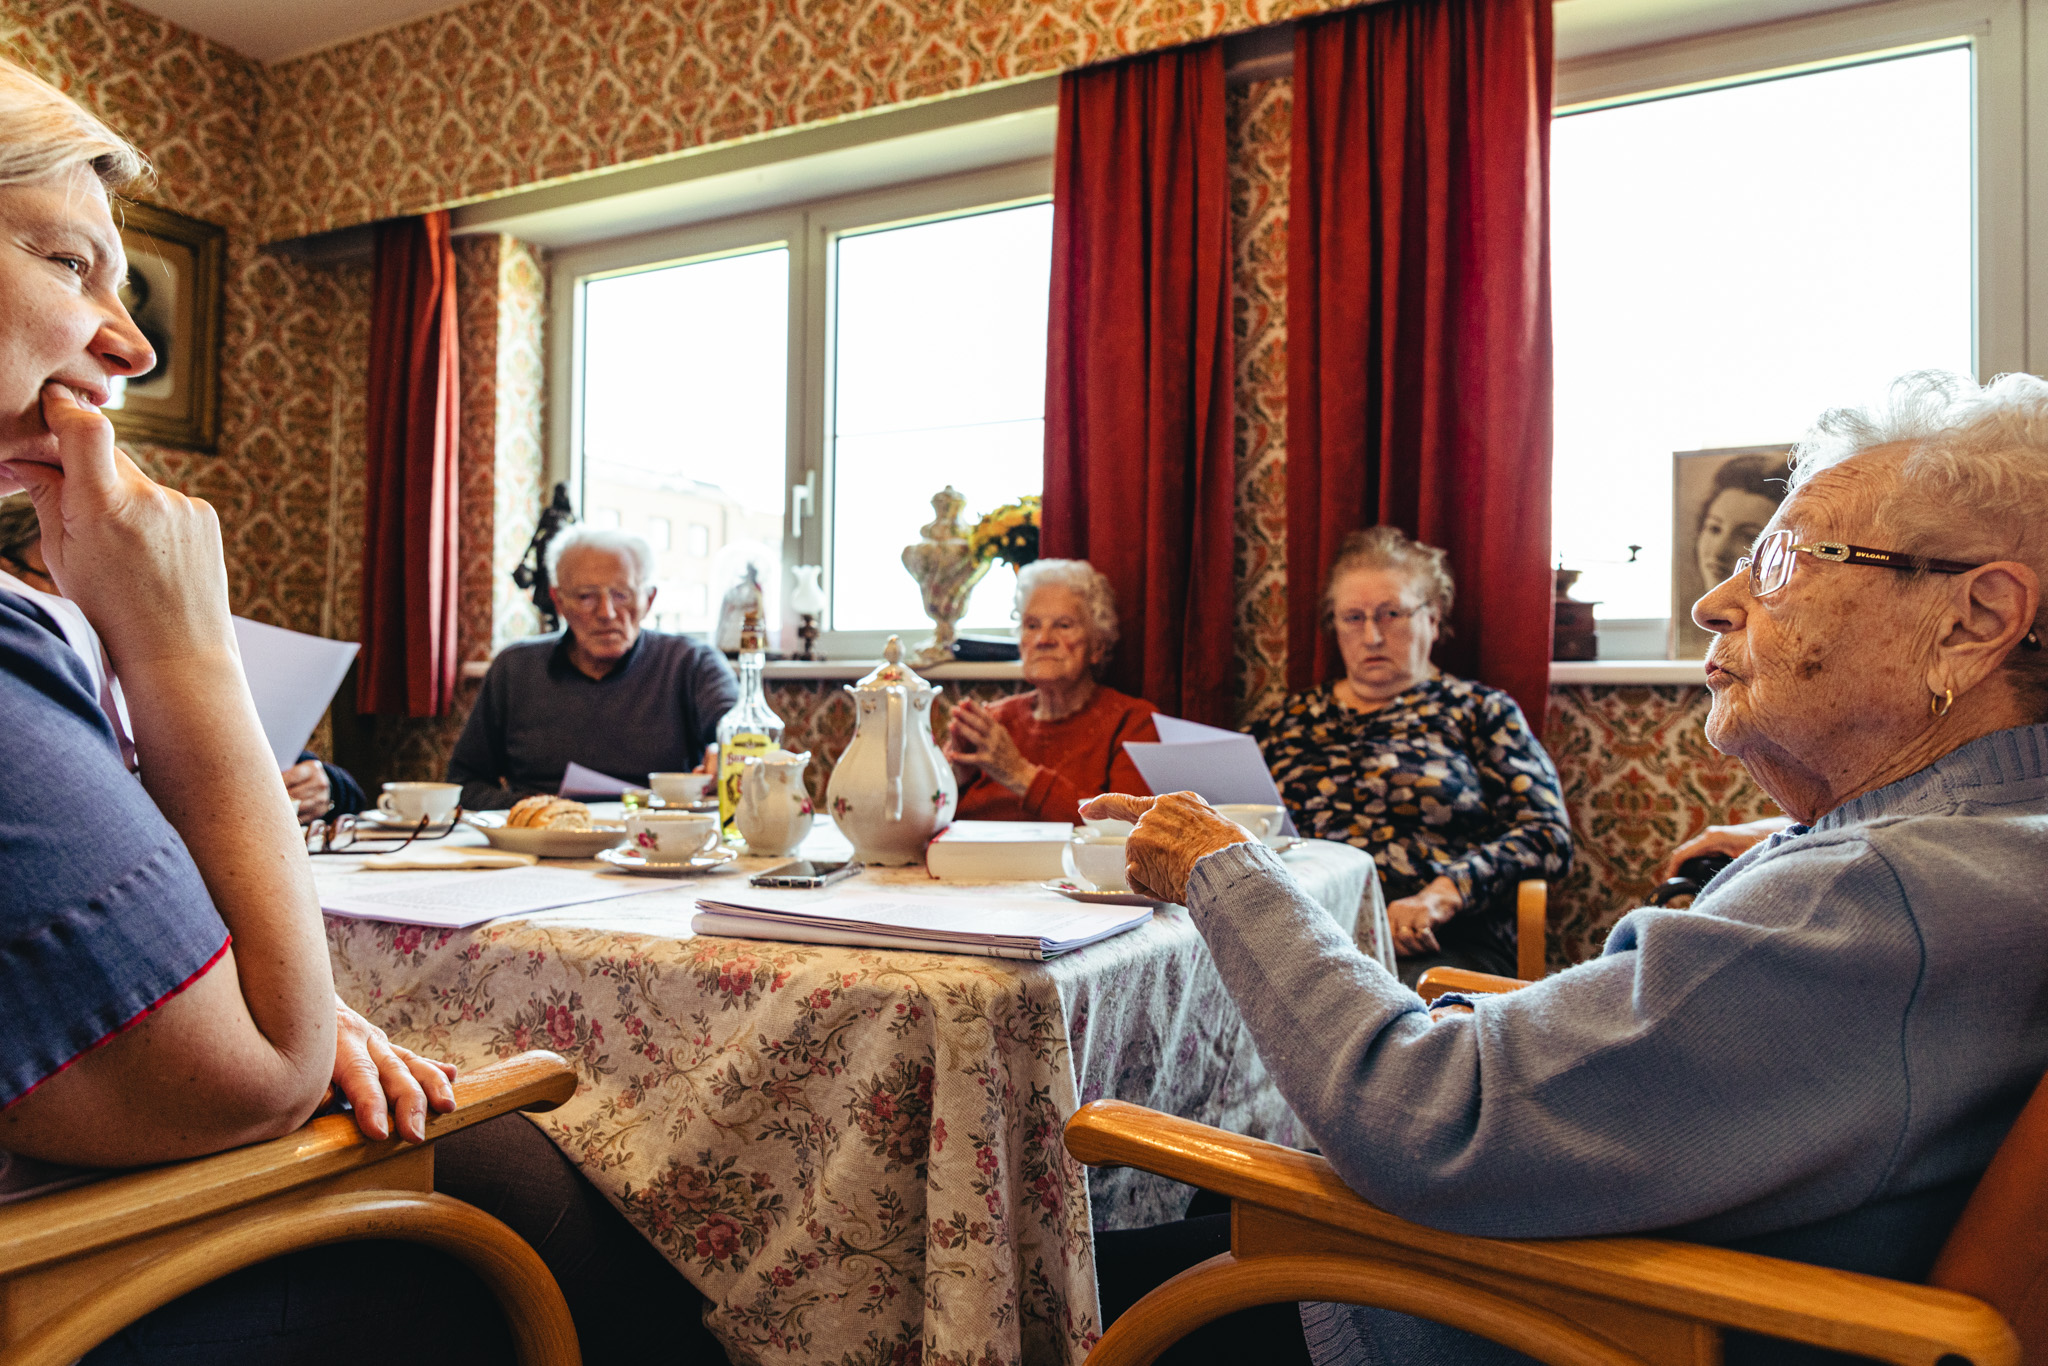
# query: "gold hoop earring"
1939,705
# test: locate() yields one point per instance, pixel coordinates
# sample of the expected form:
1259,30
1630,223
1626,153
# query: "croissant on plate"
548,813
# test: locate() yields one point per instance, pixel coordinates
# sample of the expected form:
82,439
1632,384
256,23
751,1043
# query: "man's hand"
975,739
1414,919
380,1078
1173,834
307,784
1732,840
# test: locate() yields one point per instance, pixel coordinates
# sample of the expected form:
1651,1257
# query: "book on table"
1033,925
998,851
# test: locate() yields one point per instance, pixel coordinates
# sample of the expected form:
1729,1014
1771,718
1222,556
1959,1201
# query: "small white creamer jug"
775,811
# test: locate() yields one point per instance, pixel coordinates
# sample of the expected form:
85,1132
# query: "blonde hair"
45,133
1389,547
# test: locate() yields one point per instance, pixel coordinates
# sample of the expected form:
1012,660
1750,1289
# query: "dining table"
854,1153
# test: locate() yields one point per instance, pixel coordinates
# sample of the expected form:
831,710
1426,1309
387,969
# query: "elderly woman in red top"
1037,756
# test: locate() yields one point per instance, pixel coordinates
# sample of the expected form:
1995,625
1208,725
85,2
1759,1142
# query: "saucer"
630,861
378,816
1280,844
1073,893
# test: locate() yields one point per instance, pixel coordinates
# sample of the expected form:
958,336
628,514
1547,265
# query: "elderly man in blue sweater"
1819,1058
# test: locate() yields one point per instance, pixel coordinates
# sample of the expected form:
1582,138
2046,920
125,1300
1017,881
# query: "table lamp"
808,602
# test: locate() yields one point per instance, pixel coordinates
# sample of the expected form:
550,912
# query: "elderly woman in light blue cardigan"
1819,1058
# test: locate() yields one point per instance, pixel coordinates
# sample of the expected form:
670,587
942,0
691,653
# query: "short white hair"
1085,582
1972,477
44,133
580,536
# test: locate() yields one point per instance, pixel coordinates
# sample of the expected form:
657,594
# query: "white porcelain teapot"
893,789
774,813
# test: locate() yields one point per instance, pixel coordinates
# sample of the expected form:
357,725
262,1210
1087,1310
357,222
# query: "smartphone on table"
805,873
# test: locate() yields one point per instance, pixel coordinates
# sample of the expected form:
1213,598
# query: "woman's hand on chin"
1173,834
142,561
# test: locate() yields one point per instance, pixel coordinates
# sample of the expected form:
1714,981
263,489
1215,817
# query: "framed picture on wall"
175,266
1720,502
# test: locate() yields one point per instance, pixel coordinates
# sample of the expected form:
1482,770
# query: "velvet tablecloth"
854,1153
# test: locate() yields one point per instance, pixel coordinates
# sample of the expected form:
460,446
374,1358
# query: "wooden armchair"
79,1265
1532,927
1298,1233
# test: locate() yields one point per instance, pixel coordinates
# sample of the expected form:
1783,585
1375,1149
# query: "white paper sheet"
292,677
578,781
1221,766
452,901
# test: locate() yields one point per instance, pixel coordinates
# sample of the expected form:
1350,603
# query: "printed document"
1019,925
453,901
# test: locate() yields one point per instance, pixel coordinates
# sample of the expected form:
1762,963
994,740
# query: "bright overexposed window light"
1728,264
685,414
938,355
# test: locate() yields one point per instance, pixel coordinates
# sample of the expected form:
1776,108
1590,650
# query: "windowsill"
1604,672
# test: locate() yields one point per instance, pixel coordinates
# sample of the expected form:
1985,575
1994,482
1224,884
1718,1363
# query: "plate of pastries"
548,827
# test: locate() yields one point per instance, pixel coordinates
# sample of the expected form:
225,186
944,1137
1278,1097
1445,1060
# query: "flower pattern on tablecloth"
856,1154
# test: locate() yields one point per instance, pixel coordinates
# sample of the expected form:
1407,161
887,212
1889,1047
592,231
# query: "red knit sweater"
1078,756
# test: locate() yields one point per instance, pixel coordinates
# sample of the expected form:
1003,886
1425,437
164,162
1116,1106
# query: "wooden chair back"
1998,1250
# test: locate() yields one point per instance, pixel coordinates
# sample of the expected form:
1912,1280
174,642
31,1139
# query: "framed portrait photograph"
175,266
1720,502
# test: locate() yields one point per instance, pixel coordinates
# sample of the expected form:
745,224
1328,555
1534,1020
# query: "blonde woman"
164,986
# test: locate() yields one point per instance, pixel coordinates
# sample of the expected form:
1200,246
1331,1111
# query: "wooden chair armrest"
1837,1309
1437,981
1532,928
136,1204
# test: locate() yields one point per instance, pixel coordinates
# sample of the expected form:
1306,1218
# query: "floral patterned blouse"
1446,780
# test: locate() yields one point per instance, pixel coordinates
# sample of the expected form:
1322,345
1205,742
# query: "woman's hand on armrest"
380,1079
1732,840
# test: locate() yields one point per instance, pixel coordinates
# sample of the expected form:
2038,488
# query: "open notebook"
998,926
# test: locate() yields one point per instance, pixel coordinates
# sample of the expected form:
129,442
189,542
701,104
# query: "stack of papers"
1034,927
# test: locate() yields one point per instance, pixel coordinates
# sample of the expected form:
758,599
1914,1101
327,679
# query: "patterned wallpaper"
1260,120
500,94
1638,774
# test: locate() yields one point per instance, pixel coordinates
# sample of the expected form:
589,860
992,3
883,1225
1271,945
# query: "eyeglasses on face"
1387,619
1770,565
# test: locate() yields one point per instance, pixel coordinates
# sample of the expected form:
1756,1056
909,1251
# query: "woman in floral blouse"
1439,779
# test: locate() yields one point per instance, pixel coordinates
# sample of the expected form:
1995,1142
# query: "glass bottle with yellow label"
749,730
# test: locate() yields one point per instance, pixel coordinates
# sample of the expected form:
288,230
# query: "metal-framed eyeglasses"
1770,564
1387,619
353,835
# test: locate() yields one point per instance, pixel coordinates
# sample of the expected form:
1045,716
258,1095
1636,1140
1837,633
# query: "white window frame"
2010,264
808,232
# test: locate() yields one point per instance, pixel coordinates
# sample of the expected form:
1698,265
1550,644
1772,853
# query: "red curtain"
408,665
1139,469
1418,333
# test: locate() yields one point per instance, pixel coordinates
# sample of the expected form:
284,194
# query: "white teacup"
671,836
1096,862
681,789
419,801
1260,820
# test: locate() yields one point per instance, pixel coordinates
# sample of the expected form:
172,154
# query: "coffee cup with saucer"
411,803
682,789
1096,863
670,836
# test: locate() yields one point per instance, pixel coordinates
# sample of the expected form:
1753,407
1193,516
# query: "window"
603,518
793,387
1728,263
658,533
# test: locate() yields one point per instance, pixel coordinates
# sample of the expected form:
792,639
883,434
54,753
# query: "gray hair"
582,536
1085,582
1389,547
1972,477
44,133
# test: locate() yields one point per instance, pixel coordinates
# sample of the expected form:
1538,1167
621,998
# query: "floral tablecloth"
855,1154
